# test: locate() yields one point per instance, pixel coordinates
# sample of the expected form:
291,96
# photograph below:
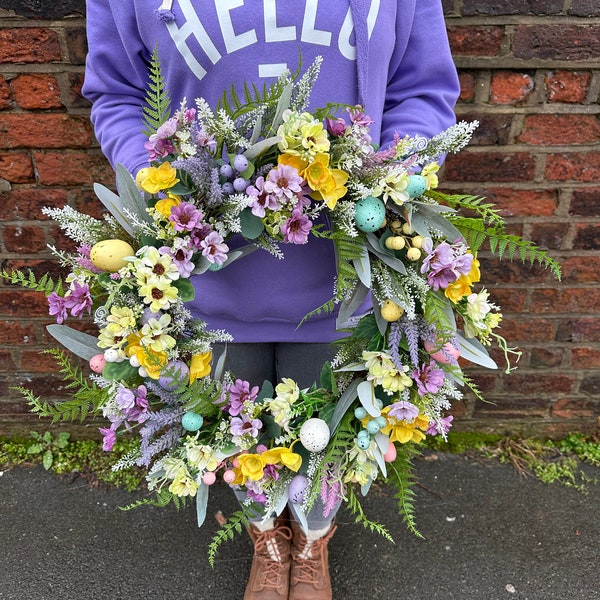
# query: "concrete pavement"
489,535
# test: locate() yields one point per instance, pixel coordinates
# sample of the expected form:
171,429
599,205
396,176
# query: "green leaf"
117,371
186,289
35,449
252,226
47,460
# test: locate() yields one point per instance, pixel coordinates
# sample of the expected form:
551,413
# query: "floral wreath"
265,168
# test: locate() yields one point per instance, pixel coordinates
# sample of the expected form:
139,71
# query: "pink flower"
214,249
185,217
57,308
262,200
336,127
283,181
109,439
296,229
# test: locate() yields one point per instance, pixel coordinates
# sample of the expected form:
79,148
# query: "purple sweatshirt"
392,56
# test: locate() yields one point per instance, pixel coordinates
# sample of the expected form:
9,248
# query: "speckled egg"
314,435
417,184
109,255
297,489
369,214
97,363
192,421
446,355
390,311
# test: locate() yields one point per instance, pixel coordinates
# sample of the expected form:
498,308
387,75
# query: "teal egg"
363,443
373,427
369,214
360,413
192,421
417,184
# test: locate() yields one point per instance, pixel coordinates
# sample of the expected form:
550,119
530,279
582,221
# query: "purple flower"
182,257
203,139
78,300
185,217
440,428
429,378
199,234
109,438
403,411
189,114
255,496
445,263
56,307
158,148
296,229
243,425
283,181
239,393
132,404
358,117
214,249
336,127
261,199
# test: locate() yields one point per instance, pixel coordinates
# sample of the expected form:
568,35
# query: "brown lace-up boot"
270,571
309,577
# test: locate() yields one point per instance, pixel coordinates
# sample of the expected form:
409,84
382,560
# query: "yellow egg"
395,242
109,255
390,311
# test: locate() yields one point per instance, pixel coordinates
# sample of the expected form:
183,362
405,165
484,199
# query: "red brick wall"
530,74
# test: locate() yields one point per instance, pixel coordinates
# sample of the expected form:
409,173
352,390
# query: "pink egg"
390,455
229,476
97,363
445,355
209,478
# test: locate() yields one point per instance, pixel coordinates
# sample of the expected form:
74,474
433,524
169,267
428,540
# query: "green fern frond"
486,210
157,108
403,481
503,244
161,499
29,280
438,311
234,525
356,509
85,400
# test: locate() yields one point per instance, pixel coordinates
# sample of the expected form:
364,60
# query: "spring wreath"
262,169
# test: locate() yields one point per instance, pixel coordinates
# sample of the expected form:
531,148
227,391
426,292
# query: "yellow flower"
285,456
155,179
158,294
461,288
252,466
328,184
200,366
404,431
429,172
183,486
165,205
153,362
314,138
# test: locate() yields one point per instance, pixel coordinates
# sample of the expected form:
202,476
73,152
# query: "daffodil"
429,172
164,206
200,366
284,456
393,187
200,456
184,486
156,179
400,430
462,287
252,466
153,362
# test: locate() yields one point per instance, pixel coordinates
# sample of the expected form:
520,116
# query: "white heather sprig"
452,141
80,227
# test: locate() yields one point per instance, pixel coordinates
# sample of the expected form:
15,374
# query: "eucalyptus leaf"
131,196
350,306
394,263
382,324
252,226
343,404
472,350
81,344
115,206
379,458
257,149
201,503
363,267
427,219
364,489
366,395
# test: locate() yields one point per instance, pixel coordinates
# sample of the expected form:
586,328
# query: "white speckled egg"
297,489
314,435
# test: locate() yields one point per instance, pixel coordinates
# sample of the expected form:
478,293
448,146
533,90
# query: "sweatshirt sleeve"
422,83
115,81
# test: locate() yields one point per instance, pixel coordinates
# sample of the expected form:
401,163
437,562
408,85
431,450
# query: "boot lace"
267,542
